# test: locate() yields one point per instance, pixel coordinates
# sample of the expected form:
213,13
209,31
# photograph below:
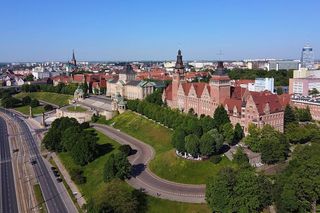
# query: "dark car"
33,162
15,150
53,168
56,173
59,180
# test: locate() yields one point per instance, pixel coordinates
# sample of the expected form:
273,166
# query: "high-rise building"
307,57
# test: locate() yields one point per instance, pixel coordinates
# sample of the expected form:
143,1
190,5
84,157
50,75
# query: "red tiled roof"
231,103
261,99
237,92
199,87
284,100
237,83
186,87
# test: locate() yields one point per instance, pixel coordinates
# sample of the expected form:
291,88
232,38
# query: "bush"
48,107
215,159
34,103
26,100
95,118
125,149
77,176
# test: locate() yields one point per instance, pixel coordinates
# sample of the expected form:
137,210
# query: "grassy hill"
166,164
53,98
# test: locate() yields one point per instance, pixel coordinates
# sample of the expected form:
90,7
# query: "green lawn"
166,164
76,109
35,111
54,98
156,205
39,197
94,170
94,174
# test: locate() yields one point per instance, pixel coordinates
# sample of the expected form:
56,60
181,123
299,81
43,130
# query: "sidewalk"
71,184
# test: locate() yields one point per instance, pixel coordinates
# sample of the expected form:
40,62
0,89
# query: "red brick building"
244,107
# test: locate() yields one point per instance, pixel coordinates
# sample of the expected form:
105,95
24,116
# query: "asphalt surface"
51,195
147,181
8,202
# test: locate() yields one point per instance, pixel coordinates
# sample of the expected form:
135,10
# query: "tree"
207,144
241,158
52,140
191,111
10,102
85,148
221,117
238,134
34,103
238,191
26,100
298,187
117,166
177,140
192,143
279,90
29,78
125,149
253,139
228,133
219,190
274,146
314,91
155,97
303,115
207,123
289,116
218,140
70,137
48,107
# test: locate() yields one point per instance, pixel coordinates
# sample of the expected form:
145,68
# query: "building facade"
129,88
243,106
307,57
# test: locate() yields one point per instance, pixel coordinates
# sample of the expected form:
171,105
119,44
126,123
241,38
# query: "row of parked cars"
56,174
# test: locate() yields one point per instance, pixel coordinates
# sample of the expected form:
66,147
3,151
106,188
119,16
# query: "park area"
76,109
166,164
52,98
26,110
94,180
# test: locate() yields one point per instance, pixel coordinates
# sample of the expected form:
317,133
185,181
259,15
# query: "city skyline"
127,31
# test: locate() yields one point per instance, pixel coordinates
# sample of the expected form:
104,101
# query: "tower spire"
179,63
73,60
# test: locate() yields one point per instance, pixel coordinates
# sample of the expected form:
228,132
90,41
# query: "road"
143,178
8,192
54,202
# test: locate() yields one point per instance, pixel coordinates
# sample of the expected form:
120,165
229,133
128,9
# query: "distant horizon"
155,30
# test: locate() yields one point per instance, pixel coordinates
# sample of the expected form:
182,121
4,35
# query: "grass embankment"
94,174
39,197
76,109
50,97
25,110
166,164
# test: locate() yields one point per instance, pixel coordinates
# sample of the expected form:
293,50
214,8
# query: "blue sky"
40,30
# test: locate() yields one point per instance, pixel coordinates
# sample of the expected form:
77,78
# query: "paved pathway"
144,179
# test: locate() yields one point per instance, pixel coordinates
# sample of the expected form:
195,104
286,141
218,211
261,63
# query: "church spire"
179,67
73,60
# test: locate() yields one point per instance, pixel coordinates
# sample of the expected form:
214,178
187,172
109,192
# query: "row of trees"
66,134
294,115
196,136
281,77
297,188
60,88
272,145
238,191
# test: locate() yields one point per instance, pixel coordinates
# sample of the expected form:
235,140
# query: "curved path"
144,179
